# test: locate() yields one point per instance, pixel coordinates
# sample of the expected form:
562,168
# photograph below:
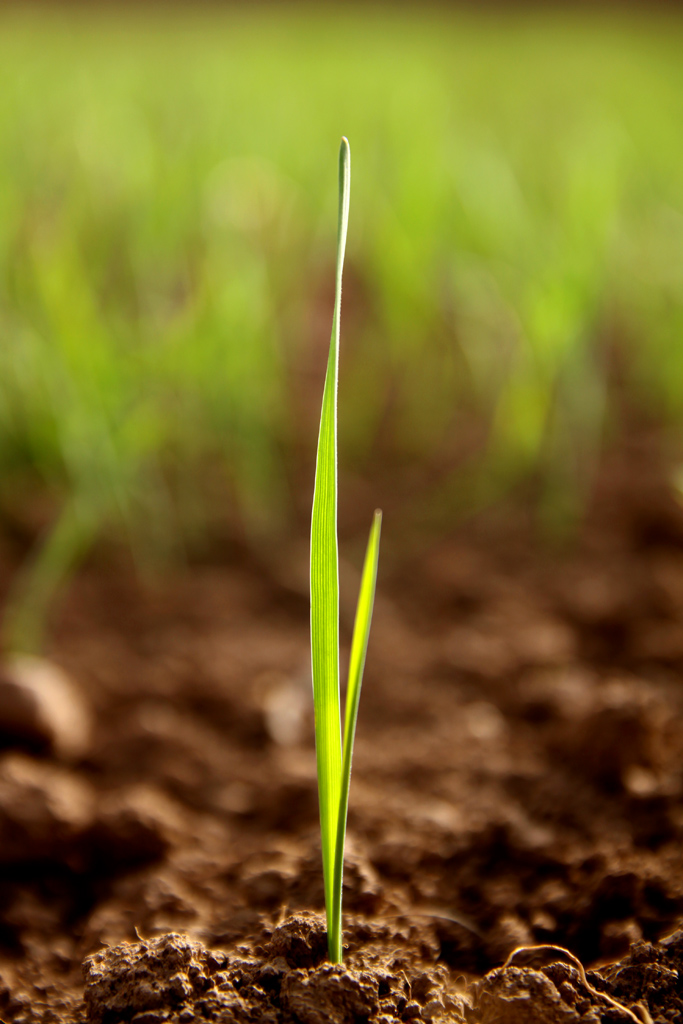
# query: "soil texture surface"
517,783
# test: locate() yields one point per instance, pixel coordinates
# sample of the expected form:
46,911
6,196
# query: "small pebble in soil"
44,809
42,708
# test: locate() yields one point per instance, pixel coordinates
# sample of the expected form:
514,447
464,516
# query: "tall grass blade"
359,646
325,586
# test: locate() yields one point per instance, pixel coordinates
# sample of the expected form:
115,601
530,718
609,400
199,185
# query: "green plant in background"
334,753
162,222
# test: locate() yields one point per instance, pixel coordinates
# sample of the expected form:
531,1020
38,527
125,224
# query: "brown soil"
517,782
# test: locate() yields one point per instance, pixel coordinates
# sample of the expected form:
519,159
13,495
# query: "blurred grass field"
167,220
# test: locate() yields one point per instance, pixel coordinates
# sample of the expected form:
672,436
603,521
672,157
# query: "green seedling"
334,752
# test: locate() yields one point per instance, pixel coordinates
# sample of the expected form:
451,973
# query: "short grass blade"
359,646
325,584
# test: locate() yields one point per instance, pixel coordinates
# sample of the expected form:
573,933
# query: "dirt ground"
517,782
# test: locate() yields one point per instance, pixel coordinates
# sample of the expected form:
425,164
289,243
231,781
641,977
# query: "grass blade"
325,585
359,646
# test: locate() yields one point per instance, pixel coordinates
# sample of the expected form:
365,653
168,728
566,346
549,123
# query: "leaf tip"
344,153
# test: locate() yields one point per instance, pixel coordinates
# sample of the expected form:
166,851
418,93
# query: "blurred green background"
167,220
